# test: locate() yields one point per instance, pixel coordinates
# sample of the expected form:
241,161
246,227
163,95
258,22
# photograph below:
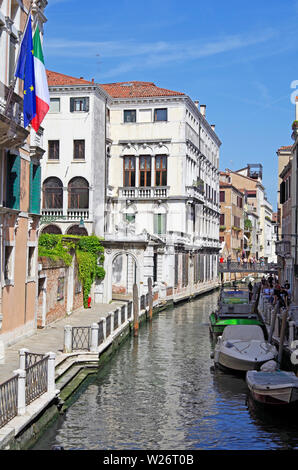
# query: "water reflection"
160,392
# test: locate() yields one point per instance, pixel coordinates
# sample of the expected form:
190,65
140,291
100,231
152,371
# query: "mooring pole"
282,336
135,310
150,297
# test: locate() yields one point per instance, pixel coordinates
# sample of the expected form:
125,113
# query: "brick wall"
53,290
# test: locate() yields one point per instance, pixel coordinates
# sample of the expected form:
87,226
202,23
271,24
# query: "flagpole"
13,84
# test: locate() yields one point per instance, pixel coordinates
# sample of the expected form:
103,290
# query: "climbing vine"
89,253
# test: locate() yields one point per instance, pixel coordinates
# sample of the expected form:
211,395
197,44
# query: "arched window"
77,230
52,193
54,229
78,193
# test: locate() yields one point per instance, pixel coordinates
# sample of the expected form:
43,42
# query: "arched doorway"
52,229
124,274
77,230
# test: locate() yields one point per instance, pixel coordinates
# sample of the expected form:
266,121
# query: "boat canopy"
243,332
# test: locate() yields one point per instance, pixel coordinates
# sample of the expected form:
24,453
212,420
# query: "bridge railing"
235,266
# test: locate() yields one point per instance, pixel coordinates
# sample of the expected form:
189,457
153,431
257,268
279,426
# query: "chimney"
213,127
81,78
203,109
92,80
196,103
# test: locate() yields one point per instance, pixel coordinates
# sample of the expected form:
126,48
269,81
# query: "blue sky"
238,58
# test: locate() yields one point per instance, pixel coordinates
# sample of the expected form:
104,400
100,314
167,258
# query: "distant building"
258,210
231,226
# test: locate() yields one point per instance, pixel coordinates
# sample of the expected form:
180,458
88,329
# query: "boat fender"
269,366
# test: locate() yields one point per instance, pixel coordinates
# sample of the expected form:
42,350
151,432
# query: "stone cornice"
203,121
68,89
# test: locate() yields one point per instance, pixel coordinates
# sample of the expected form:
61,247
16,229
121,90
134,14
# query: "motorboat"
278,387
243,348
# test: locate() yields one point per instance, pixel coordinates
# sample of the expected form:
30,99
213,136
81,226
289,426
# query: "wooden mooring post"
282,336
135,310
150,298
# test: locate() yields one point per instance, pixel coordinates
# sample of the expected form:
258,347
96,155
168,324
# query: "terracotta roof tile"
285,147
55,78
132,89
137,89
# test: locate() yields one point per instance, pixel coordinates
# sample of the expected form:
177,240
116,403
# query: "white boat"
273,388
243,348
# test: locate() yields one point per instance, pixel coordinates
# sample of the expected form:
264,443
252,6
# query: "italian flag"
41,83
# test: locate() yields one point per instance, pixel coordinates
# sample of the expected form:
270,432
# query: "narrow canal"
160,391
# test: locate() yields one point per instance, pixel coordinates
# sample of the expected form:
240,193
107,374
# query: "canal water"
160,391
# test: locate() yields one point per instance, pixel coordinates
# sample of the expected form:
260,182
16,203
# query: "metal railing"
36,379
8,400
100,333
80,337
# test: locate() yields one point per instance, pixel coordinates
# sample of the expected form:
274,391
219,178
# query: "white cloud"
151,54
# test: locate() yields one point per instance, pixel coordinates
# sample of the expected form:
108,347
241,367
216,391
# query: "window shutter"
87,104
34,188
71,105
282,192
13,181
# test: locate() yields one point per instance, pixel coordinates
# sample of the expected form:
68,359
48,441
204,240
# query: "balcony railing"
52,215
148,192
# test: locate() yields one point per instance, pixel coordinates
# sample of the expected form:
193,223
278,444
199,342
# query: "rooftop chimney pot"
203,109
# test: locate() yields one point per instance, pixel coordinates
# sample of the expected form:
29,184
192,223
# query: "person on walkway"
229,261
250,290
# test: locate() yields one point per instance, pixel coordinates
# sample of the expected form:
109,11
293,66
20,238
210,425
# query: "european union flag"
25,71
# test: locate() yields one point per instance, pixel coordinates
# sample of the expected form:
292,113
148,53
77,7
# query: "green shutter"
34,189
13,181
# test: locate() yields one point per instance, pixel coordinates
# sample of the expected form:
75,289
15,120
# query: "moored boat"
273,388
243,348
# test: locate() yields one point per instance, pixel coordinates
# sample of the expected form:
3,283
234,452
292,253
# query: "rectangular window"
160,221
53,149
79,149
221,196
54,105
60,288
13,181
79,104
130,115
222,219
30,261
129,164
8,263
160,170
160,114
145,171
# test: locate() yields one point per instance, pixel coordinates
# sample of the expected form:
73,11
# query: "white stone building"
162,213
73,167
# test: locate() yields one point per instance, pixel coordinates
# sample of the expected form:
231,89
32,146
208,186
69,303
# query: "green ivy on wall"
89,254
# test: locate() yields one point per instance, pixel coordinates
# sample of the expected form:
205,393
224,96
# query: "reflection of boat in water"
243,348
273,388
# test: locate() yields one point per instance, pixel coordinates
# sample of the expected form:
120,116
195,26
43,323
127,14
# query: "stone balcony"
144,192
196,193
283,248
71,215
12,132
